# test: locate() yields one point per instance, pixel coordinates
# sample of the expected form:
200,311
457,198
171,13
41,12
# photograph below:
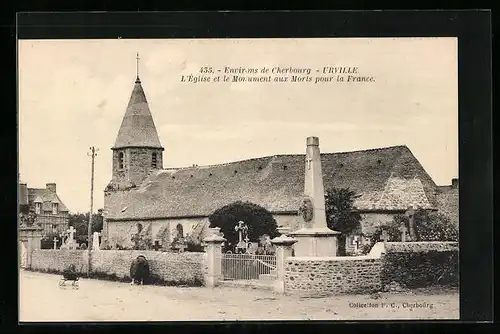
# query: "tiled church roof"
388,178
137,128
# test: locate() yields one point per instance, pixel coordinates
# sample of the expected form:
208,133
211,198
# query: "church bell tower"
137,150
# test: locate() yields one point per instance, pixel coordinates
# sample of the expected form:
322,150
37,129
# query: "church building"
143,197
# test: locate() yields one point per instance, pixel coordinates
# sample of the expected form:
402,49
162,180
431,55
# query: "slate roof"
48,197
137,128
389,178
448,203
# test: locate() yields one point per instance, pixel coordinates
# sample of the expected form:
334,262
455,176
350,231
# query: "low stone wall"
169,268
410,264
332,275
421,264
49,260
187,268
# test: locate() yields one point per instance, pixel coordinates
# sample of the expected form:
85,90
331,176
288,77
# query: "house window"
154,159
120,160
54,208
38,208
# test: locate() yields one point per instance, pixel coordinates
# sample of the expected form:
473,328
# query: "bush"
192,246
429,226
421,269
142,242
258,220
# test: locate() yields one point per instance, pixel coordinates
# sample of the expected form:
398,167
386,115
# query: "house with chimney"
143,197
448,201
50,211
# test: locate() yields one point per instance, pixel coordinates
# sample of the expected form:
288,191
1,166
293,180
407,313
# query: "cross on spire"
137,68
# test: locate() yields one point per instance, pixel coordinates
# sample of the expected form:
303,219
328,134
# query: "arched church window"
120,159
180,231
154,159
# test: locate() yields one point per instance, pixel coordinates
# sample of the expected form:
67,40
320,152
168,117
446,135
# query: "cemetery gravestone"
403,231
95,241
71,240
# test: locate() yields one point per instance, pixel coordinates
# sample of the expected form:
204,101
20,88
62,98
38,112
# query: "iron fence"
247,266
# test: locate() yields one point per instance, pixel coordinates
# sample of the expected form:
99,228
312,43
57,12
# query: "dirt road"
41,299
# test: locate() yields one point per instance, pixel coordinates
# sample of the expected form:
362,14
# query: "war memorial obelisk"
314,238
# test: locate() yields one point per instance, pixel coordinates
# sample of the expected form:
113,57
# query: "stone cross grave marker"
95,241
71,231
403,231
71,240
384,237
241,228
181,247
55,243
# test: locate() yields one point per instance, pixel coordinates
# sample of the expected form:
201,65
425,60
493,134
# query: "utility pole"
91,154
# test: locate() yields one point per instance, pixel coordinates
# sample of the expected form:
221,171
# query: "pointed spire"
137,128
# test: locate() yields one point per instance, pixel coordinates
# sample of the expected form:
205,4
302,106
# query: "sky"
73,95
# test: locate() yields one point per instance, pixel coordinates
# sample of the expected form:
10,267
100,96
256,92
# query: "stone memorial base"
72,245
317,242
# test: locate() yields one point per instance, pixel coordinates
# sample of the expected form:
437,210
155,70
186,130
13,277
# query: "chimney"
51,187
23,194
454,182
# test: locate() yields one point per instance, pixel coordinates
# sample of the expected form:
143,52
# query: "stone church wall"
370,221
120,232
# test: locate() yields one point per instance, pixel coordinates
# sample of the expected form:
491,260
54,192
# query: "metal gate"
248,266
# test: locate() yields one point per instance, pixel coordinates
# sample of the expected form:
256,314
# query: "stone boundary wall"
310,276
421,264
49,260
187,268
421,246
411,264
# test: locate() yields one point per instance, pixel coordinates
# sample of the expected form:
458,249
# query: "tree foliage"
341,215
80,222
258,220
